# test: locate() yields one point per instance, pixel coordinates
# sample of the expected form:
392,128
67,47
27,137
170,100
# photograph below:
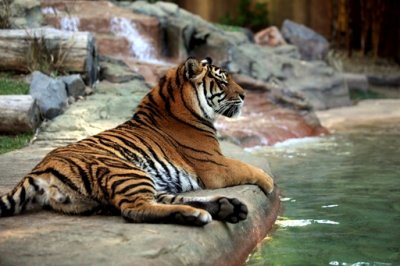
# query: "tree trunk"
59,51
18,114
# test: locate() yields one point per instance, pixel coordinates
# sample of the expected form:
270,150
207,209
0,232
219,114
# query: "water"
69,23
341,198
140,46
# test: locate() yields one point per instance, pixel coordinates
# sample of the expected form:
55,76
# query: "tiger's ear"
206,61
193,68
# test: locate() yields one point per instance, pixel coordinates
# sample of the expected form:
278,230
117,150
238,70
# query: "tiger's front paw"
230,210
266,182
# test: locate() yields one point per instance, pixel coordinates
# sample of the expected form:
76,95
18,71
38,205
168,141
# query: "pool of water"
341,201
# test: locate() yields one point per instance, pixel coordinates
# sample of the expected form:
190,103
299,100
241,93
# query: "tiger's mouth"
231,109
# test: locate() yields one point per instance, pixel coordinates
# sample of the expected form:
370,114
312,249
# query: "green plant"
44,55
5,14
252,16
9,86
9,143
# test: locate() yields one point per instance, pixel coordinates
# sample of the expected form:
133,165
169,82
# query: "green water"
341,200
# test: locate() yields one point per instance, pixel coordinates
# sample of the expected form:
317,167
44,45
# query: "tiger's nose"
241,95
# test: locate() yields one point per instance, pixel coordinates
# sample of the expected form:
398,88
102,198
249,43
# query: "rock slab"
47,238
366,114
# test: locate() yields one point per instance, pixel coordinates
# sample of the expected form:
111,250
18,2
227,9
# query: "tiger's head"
215,90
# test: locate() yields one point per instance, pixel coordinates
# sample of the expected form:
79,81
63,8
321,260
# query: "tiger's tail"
23,196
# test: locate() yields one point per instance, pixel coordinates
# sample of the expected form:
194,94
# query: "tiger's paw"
231,210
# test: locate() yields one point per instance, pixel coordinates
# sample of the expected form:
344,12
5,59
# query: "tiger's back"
168,147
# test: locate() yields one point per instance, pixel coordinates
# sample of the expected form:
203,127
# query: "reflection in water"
341,198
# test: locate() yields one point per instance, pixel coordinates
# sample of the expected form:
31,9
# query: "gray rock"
26,14
116,71
75,85
312,46
316,82
51,94
356,81
392,80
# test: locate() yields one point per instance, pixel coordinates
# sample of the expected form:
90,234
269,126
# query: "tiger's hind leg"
143,208
221,208
132,192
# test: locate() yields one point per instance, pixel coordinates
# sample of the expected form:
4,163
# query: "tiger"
139,168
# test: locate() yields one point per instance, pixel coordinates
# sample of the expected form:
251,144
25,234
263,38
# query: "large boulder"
191,34
25,14
319,84
116,71
312,45
74,85
51,94
118,31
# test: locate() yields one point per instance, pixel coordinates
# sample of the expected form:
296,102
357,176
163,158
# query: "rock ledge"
47,238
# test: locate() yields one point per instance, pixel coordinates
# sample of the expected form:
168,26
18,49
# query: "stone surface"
270,36
111,105
26,14
319,84
356,81
47,238
366,114
151,72
392,80
74,85
51,94
118,31
312,46
266,123
116,71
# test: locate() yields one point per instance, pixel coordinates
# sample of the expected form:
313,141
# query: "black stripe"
223,98
11,201
140,151
85,178
140,191
4,210
199,118
209,103
195,150
22,196
117,183
162,81
60,177
131,186
161,94
126,201
206,161
171,91
177,77
32,183
82,173
216,95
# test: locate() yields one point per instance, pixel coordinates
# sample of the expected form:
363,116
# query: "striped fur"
168,147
